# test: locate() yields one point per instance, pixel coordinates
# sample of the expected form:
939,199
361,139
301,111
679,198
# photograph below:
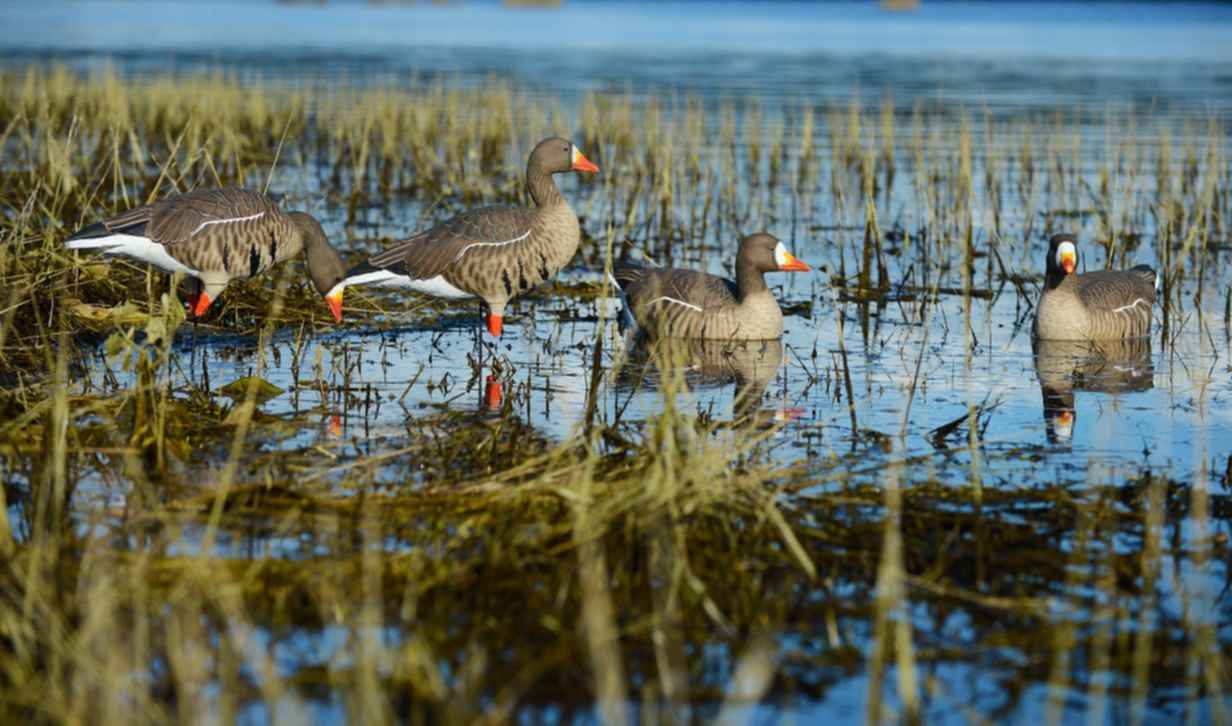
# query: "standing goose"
1103,305
215,235
689,304
494,253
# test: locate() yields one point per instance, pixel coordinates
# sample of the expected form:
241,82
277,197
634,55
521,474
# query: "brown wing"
683,288
431,253
232,231
132,222
1109,290
183,218
196,215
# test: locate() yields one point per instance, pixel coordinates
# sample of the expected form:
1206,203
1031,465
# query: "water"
853,387
1000,55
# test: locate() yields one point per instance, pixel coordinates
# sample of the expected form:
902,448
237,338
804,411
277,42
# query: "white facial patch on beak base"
1064,249
573,154
780,255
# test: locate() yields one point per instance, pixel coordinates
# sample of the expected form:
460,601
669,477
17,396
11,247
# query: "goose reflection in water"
751,365
1107,366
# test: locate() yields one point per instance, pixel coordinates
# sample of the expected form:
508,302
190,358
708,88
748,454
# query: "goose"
689,304
214,236
493,253
1103,305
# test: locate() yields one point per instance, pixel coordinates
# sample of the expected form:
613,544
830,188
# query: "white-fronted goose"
690,304
494,253
215,235
1103,305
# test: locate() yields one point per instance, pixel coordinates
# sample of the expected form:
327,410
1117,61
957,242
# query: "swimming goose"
215,235
494,253
1102,305
690,304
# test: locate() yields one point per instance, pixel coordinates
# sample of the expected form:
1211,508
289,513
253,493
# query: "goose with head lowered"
214,236
1101,305
689,304
494,253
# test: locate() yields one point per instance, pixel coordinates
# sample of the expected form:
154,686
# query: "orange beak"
199,304
335,305
581,163
1068,263
1065,418
494,324
793,264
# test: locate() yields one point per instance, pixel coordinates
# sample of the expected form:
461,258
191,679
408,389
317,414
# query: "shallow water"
947,386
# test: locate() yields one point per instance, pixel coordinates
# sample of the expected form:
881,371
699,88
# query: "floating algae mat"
900,510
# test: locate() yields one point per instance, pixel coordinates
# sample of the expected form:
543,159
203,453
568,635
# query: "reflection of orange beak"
492,393
335,425
335,305
1068,263
793,264
1065,418
787,415
581,163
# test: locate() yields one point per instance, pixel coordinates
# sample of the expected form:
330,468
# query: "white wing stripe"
203,225
674,300
1132,305
467,248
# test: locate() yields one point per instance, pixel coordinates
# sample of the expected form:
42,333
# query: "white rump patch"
691,306
1067,247
133,247
203,225
1132,305
467,248
437,286
780,254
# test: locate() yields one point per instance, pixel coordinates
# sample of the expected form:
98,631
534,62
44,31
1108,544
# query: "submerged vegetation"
175,548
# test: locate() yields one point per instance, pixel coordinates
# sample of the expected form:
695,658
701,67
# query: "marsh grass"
160,565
